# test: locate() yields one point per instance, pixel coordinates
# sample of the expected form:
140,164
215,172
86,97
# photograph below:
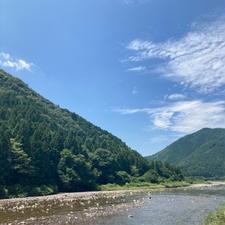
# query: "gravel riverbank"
72,208
64,208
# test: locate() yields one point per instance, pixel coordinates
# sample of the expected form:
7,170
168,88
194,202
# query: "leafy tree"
4,154
20,163
122,177
74,172
104,162
150,176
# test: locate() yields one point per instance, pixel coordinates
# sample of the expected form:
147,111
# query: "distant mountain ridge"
199,154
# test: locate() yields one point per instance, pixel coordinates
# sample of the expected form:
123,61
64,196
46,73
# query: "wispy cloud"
184,116
130,111
176,96
138,68
9,62
195,61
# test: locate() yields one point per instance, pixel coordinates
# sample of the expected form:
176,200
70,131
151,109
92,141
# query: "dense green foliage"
45,149
161,172
200,154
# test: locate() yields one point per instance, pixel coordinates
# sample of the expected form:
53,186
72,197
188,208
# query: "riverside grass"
216,218
143,185
146,185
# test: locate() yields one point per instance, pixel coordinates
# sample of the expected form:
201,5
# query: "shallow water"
184,206
173,207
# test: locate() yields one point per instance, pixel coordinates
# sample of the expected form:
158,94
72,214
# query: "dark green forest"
45,149
201,154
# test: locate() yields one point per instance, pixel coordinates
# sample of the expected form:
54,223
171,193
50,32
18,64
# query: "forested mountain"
199,154
46,148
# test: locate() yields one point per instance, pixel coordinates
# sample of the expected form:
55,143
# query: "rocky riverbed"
73,208
68,208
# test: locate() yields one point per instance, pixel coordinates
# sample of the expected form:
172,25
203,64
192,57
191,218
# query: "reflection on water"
173,207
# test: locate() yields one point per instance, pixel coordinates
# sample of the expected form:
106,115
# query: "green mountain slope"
199,154
41,143
46,149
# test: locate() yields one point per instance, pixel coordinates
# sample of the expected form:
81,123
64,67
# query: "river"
183,206
172,207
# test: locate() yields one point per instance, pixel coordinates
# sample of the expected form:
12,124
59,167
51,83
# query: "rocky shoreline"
207,185
73,208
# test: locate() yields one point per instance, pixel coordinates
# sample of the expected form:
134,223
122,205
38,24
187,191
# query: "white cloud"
196,60
176,96
184,116
129,111
18,64
138,68
5,56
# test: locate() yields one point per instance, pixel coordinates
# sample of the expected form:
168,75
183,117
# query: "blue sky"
148,71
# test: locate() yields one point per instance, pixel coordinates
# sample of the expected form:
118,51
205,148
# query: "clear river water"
172,207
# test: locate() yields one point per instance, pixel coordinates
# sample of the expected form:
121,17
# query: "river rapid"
181,206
